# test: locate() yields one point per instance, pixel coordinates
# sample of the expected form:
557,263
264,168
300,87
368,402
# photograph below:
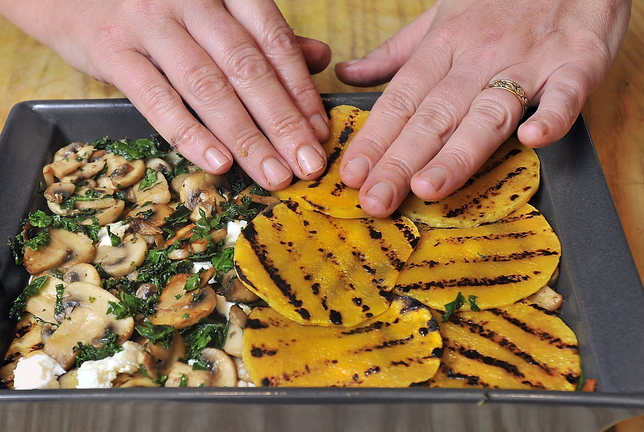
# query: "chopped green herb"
157,334
200,336
114,239
453,306
472,301
89,352
131,305
193,282
59,308
19,304
183,382
130,150
149,179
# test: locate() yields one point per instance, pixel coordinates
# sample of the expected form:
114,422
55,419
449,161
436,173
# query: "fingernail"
216,159
382,192
436,176
357,168
348,63
320,126
309,160
275,172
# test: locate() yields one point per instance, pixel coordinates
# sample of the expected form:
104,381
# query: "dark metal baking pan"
604,305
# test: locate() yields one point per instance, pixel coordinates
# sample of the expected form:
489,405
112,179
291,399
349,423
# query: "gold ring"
513,88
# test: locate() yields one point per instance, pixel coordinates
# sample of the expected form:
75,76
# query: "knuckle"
278,37
437,119
492,114
398,102
288,126
246,65
204,82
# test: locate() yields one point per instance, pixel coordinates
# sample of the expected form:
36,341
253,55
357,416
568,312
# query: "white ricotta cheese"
101,373
117,228
38,371
234,228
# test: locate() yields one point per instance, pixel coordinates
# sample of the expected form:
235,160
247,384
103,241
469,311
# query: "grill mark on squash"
504,342
542,335
486,170
518,256
250,233
465,282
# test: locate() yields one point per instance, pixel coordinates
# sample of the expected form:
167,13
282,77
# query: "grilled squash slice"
517,347
328,194
507,181
316,269
498,264
398,348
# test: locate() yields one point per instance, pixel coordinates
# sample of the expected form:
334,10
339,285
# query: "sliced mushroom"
153,214
547,298
107,215
177,182
191,248
82,272
160,165
59,192
87,322
123,173
180,308
182,374
43,304
67,160
122,259
157,192
65,249
94,198
234,289
92,166
234,344
162,359
224,370
204,191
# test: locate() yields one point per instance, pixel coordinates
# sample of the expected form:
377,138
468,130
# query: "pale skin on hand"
435,125
236,64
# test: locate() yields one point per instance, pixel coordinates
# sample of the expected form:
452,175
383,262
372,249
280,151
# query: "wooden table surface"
615,113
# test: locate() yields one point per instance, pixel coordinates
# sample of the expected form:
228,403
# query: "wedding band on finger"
513,88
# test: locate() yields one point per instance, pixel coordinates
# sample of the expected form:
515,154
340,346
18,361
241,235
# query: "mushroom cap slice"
202,190
65,249
124,173
180,308
87,323
122,259
157,192
223,368
43,304
82,272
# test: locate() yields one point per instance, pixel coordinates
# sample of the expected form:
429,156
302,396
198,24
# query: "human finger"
152,94
563,97
205,88
380,65
316,53
278,44
491,119
421,139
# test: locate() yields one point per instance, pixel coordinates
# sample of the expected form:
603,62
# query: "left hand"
434,126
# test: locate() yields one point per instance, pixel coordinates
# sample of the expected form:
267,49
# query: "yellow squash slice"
494,265
328,194
396,349
316,269
516,347
503,184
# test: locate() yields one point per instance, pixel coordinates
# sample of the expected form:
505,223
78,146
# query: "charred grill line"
543,335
